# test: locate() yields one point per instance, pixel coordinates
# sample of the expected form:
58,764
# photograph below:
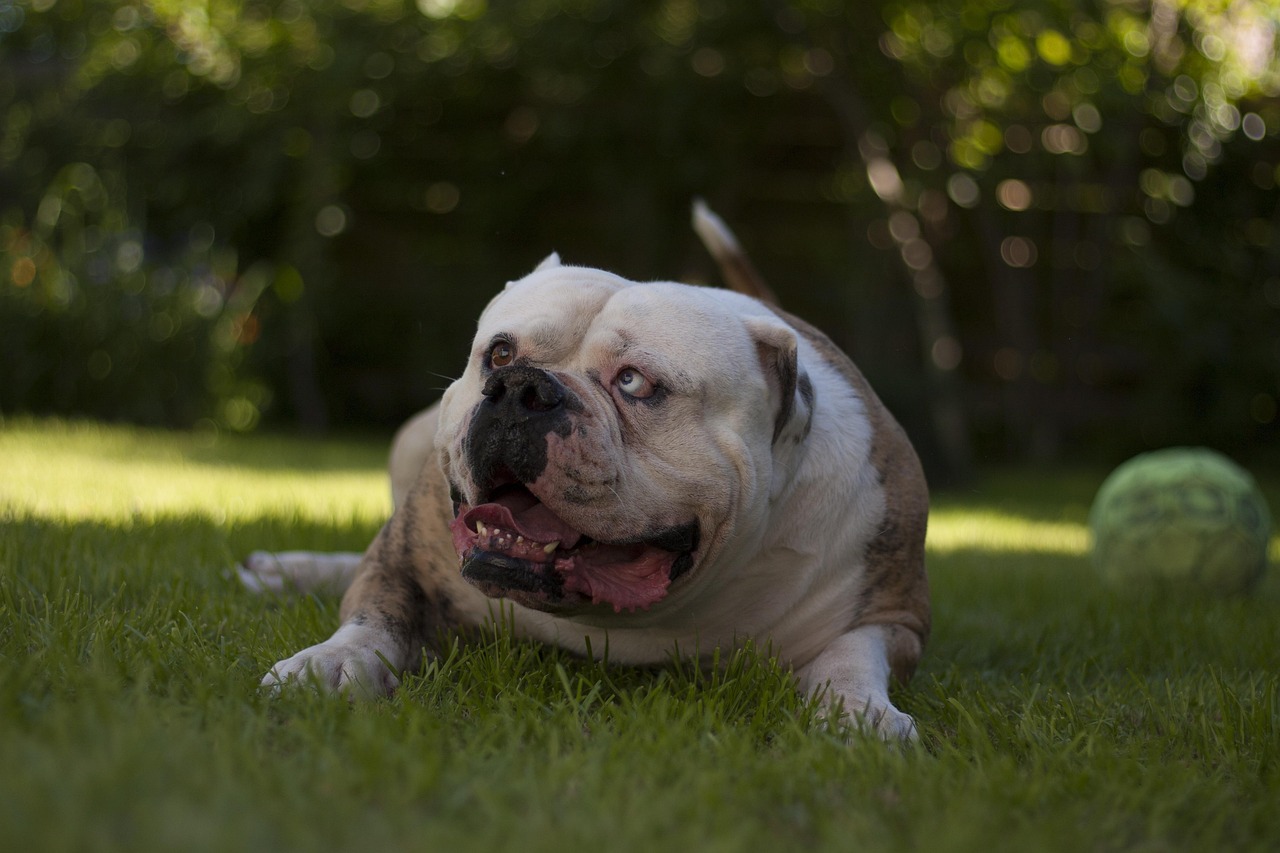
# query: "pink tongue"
625,576
628,577
522,512
542,525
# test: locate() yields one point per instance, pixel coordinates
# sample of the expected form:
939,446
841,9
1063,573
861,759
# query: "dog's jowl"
643,467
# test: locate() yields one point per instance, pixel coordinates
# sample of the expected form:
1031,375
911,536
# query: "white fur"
853,671
353,662
715,235
298,571
802,514
789,519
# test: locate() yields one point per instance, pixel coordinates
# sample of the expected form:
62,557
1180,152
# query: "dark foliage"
1044,229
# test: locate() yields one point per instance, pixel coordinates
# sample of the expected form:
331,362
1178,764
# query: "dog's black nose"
525,389
522,405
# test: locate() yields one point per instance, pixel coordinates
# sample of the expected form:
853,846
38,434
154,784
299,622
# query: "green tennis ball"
1182,515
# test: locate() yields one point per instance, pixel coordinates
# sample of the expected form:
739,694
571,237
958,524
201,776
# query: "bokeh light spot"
442,197
331,220
963,190
1018,252
1014,195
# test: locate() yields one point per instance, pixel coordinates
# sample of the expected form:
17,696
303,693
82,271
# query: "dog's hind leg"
298,571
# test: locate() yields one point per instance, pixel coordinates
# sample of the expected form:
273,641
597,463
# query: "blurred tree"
1034,223
1068,137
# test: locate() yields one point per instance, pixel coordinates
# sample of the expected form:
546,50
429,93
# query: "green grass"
1055,714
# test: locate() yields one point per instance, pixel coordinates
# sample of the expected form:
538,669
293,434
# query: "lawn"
1055,713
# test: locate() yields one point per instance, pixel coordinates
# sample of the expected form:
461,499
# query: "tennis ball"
1181,515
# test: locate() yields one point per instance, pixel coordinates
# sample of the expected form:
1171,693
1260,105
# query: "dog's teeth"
480,531
519,540
551,546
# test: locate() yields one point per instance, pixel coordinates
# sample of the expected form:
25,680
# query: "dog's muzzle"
513,545
521,407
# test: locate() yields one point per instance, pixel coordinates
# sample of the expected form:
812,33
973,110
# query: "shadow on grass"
168,552
1057,495
268,452
1014,616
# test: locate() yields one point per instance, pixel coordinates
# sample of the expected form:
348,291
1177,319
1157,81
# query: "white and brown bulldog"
648,468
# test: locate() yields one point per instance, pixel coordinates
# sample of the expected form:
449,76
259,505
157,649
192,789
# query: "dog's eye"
633,383
501,354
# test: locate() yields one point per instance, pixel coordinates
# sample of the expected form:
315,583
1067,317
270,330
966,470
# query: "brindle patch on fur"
394,588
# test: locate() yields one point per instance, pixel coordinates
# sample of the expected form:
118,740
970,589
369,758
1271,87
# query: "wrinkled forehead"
690,325
553,309
565,312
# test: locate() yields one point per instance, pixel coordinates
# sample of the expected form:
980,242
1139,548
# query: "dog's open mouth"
514,546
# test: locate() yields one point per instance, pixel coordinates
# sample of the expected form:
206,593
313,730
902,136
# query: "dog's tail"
738,271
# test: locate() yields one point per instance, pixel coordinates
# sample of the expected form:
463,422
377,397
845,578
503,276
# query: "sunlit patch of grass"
954,529
85,471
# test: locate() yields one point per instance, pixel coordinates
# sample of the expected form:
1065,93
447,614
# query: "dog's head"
609,439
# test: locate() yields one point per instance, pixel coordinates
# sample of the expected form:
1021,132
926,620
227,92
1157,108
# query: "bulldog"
648,468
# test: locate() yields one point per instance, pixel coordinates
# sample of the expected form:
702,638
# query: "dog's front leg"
387,619
854,672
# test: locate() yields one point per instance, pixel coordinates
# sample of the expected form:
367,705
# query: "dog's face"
608,440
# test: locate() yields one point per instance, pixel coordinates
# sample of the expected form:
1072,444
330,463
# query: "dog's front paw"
886,721
871,716
851,676
350,663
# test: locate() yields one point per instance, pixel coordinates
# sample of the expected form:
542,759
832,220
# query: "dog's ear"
776,348
551,261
